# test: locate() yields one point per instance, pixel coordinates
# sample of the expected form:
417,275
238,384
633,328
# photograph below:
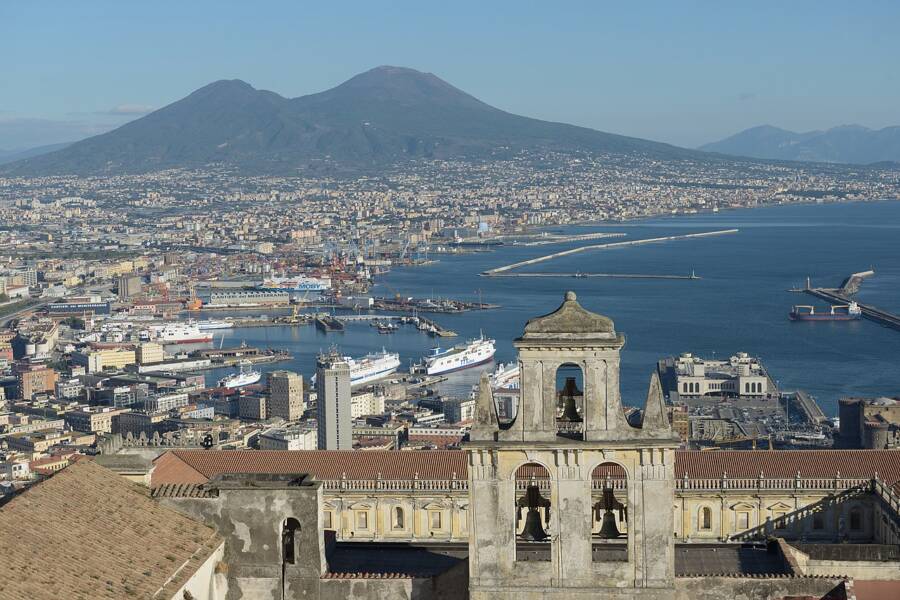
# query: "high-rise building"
285,395
129,285
333,404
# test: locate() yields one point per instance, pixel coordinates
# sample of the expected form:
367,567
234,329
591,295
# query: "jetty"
669,238
607,275
842,295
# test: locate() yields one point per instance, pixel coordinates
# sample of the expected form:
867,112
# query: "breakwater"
669,238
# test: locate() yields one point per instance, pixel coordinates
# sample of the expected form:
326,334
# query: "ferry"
371,367
846,312
210,324
245,376
178,333
473,353
506,376
297,284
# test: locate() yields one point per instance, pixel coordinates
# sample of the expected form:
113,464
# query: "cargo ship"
244,376
463,356
297,284
845,312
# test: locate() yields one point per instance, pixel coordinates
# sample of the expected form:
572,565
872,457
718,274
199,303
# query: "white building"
366,403
740,375
289,438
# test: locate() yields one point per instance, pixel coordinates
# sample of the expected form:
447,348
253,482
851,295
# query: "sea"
739,303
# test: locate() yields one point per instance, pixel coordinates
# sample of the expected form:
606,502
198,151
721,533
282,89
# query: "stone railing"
396,485
762,483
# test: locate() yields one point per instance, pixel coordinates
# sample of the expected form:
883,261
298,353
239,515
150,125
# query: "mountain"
383,116
845,144
8,156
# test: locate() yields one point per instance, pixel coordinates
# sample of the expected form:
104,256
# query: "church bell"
569,391
607,504
533,500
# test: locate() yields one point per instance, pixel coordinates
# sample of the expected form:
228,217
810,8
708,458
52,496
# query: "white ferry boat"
296,284
506,376
245,376
178,333
210,324
474,352
369,368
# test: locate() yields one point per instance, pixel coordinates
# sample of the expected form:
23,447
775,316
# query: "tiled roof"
198,466
86,533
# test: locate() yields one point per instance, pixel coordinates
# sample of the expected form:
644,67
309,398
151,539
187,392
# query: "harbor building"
333,403
285,395
739,376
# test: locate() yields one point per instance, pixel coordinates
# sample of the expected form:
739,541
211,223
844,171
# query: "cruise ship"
245,376
474,352
179,333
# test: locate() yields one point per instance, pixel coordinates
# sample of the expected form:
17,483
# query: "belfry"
568,499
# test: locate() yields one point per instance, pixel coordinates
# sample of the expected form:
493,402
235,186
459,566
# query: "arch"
532,504
569,385
289,528
704,518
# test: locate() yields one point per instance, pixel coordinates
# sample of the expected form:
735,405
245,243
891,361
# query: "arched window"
288,533
609,504
532,512
398,518
705,519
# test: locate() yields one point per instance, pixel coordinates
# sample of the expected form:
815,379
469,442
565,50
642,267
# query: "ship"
297,284
506,376
462,356
210,324
245,376
845,312
179,333
371,367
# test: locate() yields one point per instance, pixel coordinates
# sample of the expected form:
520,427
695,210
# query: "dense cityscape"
225,372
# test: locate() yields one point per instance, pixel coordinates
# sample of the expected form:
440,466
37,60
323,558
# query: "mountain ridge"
383,116
851,144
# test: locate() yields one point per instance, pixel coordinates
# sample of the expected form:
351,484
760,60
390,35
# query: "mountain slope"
844,144
8,156
383,116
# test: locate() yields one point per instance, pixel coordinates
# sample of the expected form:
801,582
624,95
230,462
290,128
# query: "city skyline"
686,76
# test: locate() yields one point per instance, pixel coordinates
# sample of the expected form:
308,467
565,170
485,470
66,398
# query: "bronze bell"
532,500
569,391
606,506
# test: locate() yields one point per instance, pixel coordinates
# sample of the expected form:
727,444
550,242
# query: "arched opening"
570,401
704,519
289,529
532,522
397,518
609,513
855,519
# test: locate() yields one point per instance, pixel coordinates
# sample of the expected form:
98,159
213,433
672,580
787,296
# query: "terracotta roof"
198,466
87,533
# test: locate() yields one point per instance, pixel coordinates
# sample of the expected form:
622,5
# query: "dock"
606,275
841,296
669,238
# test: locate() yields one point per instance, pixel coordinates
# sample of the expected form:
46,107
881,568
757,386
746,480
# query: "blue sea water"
740,303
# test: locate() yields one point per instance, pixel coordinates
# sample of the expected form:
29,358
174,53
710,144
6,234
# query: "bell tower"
568,499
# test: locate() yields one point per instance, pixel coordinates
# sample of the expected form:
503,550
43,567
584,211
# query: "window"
743,520
435,519
327,519
706,518
362,519
398,518
855,519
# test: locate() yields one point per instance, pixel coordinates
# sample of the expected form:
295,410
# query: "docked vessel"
246,375
297,284
210,324
846,312
179,333
372,367
473,353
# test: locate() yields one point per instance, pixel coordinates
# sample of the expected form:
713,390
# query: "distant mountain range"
8,156
383,116
845,144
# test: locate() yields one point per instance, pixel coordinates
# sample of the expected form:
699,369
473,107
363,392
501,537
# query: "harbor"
842,296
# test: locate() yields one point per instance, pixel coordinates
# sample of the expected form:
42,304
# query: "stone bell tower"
568,458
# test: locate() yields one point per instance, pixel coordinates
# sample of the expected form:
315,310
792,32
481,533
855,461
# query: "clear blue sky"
681,72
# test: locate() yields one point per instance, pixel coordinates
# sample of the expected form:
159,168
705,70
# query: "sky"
680,72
